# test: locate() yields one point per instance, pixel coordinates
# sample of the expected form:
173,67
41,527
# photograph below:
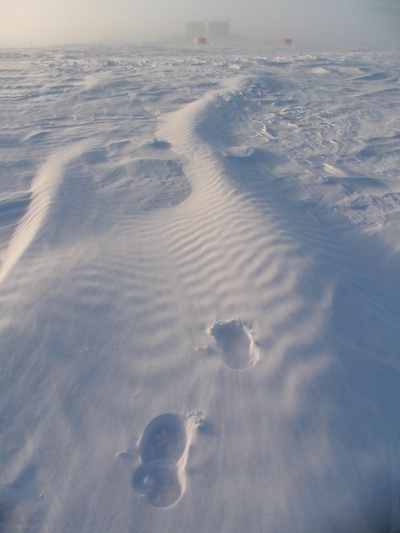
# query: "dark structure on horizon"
212,31
217,30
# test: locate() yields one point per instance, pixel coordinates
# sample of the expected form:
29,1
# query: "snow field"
200,301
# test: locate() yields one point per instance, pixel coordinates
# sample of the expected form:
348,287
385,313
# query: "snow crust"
200,290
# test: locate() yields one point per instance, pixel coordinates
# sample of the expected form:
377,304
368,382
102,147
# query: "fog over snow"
47,22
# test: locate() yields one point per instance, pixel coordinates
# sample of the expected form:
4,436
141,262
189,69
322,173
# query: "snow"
200,290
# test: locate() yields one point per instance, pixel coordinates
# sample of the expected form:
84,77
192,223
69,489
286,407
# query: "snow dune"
200,291
42,191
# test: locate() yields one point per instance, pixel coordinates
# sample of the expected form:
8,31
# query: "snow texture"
200,290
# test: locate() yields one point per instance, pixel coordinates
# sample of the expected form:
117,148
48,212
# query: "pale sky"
52,22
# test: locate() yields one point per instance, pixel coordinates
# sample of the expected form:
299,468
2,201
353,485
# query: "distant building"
284,42
199,40
217,30
194,30
214,31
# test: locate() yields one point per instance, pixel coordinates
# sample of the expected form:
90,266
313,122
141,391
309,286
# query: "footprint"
235,339
162,448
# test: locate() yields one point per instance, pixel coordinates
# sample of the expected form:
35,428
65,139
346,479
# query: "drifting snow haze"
49,22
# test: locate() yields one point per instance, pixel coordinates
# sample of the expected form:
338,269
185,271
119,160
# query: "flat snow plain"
199,290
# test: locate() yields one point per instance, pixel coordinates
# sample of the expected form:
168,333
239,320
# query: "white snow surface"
199,290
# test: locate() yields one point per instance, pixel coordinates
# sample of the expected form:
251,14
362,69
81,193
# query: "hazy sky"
47,22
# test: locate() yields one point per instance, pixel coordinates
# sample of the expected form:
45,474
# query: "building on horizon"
212,31
194,30
217,30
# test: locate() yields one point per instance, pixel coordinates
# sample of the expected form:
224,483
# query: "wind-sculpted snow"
200,299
